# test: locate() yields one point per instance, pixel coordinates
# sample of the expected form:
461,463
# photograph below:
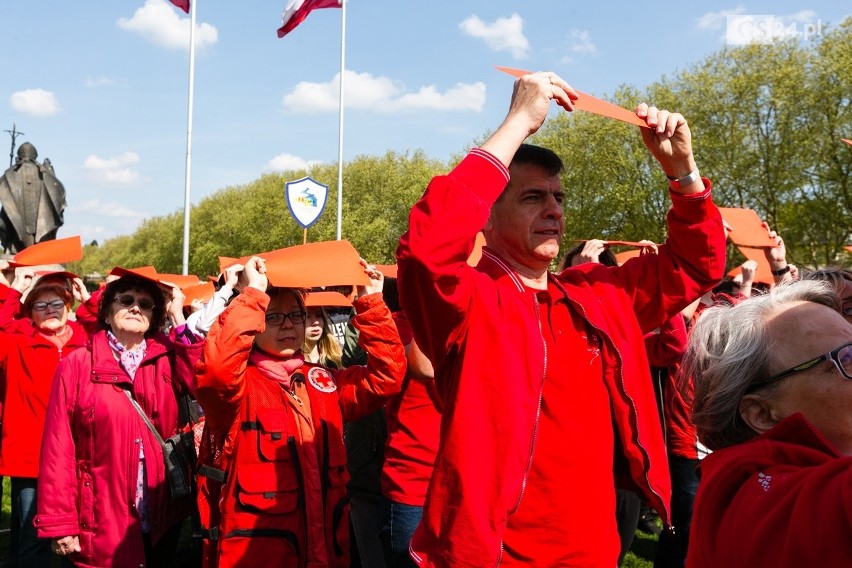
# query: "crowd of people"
460,413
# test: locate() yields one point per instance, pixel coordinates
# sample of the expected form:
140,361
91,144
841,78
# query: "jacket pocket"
267,488
272,434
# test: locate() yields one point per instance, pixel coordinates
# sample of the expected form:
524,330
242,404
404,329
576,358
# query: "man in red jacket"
542,376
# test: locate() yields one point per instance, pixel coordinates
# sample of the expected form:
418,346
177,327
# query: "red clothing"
665,351
90,452
781,499
414,426
284,493
574,400
481,329
29,360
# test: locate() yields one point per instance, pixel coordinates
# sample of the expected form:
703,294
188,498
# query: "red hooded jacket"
480,328
781,499
282,497
90,452
29,361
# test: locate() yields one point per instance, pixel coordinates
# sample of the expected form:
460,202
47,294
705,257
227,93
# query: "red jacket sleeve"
363,389
667,347
220,373
87,312
56,514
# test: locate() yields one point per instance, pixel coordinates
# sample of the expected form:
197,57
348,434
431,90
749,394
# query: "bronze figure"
33,202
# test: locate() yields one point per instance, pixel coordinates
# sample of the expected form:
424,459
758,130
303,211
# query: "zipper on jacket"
534,436
646,458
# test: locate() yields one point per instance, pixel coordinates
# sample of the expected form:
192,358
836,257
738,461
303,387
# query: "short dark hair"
131,283
275,292
607,257
538,156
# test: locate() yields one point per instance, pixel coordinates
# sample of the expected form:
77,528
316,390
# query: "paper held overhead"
589,103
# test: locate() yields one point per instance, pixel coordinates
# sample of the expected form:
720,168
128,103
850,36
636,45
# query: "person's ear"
758,413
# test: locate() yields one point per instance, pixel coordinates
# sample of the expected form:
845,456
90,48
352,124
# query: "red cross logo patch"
321,380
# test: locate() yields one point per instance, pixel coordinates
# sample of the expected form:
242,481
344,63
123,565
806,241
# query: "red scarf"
275,369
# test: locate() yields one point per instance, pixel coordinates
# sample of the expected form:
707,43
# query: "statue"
33,202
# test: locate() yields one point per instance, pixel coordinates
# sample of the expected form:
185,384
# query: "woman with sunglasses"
773,399
272,465
105,498
35,335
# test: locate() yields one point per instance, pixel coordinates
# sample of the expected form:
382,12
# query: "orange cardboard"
623,257
847,141
326,263
746,227
327,299
202,292
57,251
589,103
180,280
389,270
476,254
764,271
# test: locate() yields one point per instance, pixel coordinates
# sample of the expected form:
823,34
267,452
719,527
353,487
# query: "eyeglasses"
841,357
54,304
127,300
277,318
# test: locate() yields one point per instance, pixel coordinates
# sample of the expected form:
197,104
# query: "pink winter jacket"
90,450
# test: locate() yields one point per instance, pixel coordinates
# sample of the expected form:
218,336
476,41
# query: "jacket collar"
105,367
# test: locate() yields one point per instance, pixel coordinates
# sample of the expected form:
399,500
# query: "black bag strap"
145,418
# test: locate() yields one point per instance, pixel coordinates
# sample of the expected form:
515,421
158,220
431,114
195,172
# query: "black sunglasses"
127,300
42,306
841,357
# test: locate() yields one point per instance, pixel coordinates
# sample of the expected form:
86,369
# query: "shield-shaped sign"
306,199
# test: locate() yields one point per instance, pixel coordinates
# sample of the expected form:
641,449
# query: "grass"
641,553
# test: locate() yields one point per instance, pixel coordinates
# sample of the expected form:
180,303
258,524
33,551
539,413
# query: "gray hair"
729,350
834,275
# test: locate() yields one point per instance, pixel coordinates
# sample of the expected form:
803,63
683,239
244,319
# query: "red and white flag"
182,4
297,10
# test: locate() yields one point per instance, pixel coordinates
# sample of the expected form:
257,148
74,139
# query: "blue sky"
100,88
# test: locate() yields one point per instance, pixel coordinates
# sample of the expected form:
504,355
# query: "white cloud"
112,171
381,94
284,162
715,20
35,102
504,34
95,82
107,209
160,22
581,42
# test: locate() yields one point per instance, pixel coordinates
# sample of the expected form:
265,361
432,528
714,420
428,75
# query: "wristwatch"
781,271
677,183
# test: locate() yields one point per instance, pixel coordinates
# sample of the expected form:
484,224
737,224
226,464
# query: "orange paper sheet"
476,254
389,270
764,271
589,103
326,263
202,292
57,251
327,299
848,247
179,280
847,141
748,230
623,257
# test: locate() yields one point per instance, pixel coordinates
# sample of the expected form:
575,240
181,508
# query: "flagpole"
188,177
340,123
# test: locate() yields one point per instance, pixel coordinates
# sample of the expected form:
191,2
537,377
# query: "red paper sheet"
326,263
57,251
589,103
327,299
747,228
764,271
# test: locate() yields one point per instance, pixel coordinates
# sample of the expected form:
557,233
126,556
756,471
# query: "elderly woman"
773,398
272,465
104,496
31,347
